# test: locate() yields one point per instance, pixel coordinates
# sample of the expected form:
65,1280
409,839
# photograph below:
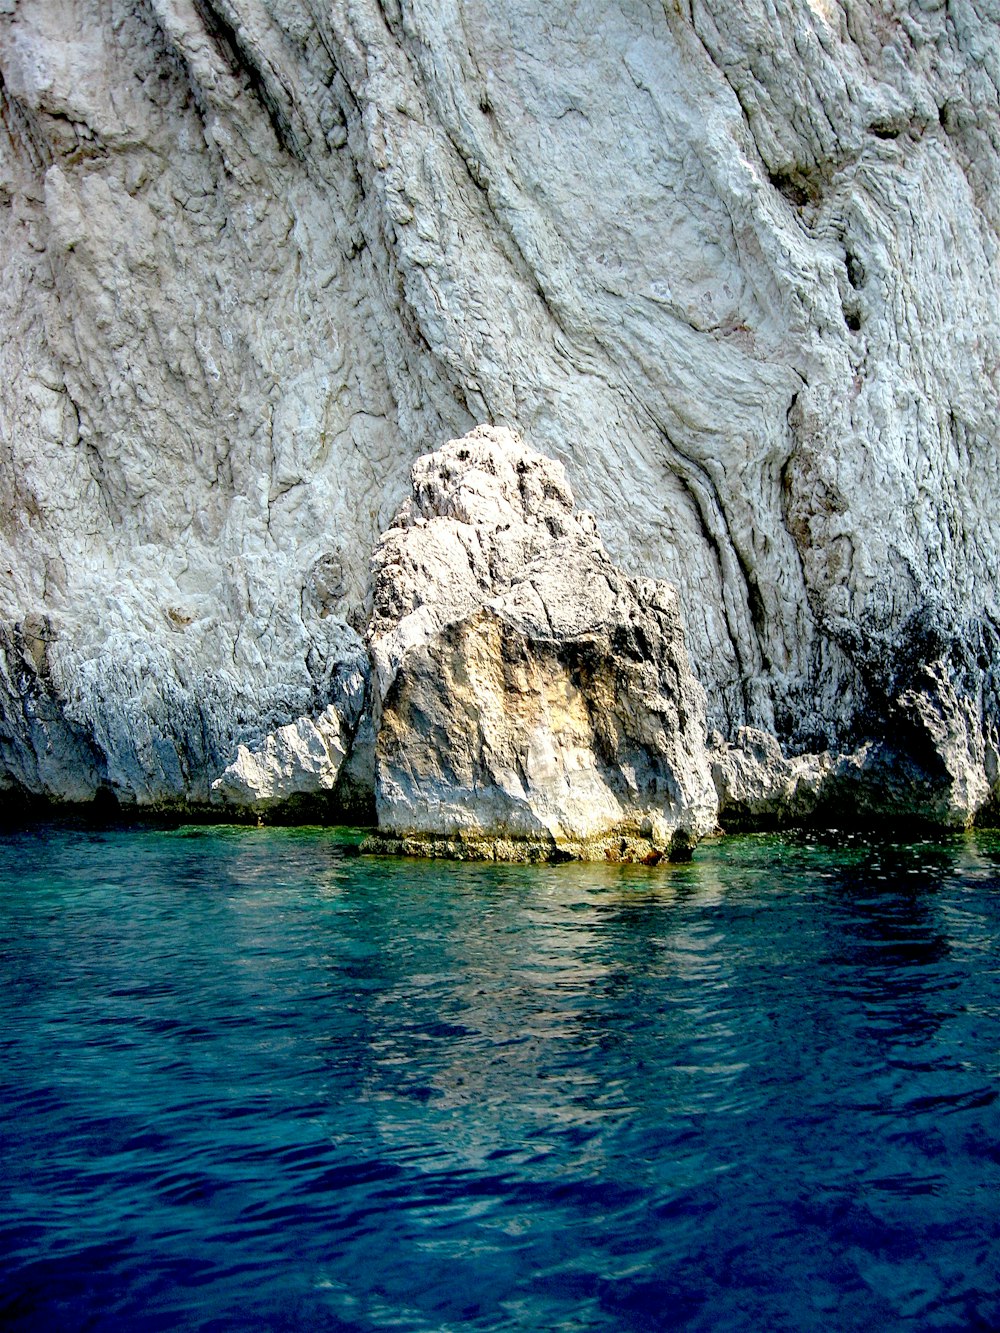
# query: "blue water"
250,1081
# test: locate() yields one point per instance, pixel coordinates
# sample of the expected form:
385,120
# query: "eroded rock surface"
532,701
735,264
933,764
306,757
85,713
758,786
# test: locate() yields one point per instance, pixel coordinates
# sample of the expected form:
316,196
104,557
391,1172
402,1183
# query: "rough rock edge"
532,702
621,846
933,767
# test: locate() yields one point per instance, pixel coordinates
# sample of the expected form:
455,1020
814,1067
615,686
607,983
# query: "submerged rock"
532,702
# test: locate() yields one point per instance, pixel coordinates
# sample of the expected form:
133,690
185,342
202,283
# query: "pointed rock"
532,702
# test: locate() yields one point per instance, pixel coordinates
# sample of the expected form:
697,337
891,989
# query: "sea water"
251,1080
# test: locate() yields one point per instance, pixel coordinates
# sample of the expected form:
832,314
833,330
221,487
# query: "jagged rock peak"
532,702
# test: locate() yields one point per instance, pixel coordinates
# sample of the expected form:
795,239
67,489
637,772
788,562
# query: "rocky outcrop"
760,787
305,758
83,714
932,766
734,264
532,702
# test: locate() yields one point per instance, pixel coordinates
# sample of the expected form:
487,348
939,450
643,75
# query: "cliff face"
736,267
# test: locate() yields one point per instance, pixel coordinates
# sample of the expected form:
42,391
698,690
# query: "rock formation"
531,702
305,758
735,265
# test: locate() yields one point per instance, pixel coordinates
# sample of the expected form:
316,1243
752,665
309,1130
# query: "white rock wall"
734,264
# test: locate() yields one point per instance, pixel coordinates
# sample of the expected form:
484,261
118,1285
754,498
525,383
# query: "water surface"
250,1081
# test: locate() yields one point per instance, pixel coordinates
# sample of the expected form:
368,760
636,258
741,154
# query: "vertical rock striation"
735,265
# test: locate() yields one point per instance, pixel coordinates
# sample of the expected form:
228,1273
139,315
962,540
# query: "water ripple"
249,1081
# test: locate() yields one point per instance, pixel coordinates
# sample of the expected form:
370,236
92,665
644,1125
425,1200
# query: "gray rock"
532,702
106,709
934,764
303,758
759,787
736,263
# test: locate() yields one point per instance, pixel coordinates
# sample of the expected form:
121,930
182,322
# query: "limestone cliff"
735,265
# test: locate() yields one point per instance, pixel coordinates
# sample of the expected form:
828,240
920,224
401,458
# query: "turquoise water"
252,1081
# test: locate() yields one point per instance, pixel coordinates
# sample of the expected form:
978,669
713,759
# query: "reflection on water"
251,1081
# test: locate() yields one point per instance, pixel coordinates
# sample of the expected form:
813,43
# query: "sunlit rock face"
734,265
531,702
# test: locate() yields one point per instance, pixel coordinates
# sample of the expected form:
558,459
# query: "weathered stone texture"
736,265
531,701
